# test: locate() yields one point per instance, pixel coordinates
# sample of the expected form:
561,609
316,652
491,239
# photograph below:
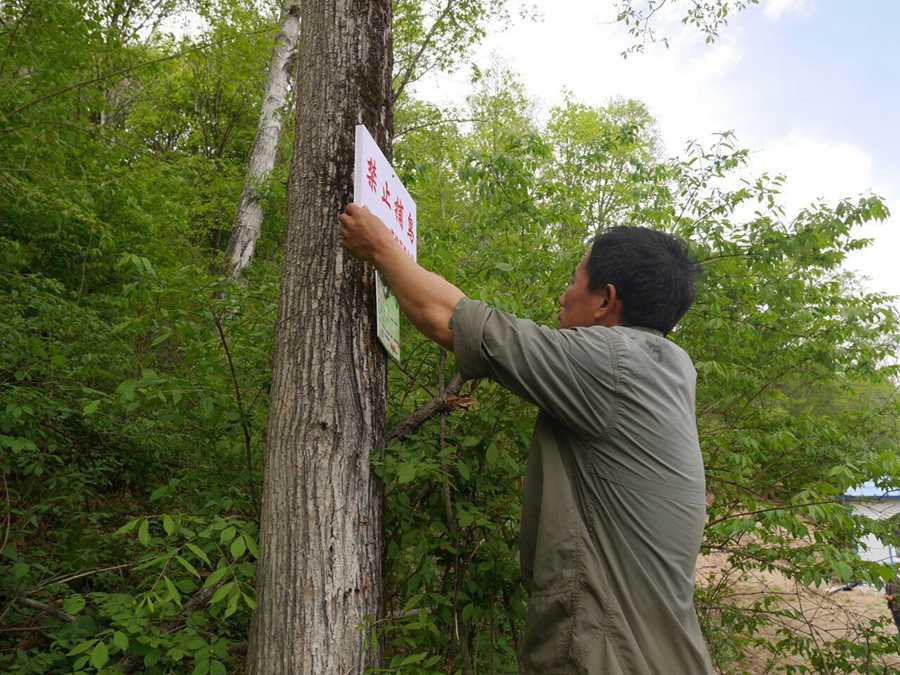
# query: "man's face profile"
582,306
578,302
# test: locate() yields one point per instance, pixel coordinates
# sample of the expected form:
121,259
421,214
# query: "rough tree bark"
248,220
319,574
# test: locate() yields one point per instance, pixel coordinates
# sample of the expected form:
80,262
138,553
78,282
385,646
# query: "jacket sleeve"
569,374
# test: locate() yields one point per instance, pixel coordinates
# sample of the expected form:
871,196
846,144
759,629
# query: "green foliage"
709,17
438,34
796,397
134,382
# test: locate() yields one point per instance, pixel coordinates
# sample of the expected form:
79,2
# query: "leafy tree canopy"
135,381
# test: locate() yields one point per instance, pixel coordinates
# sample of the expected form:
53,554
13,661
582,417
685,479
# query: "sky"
811,87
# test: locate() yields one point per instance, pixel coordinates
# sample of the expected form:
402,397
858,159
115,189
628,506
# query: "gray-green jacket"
614,502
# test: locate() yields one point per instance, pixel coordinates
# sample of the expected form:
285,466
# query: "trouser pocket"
549,625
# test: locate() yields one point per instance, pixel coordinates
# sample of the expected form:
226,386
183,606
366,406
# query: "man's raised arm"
427,299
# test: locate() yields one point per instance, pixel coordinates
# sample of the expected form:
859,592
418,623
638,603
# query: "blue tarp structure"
869,490
875,502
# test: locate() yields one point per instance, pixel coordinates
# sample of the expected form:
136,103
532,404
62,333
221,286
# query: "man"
614,501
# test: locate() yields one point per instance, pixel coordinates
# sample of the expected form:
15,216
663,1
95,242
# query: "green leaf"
81,647
120,640
233,600
412,659
90,408
155,561
195,643
406,473
73,604
162,337
227,534
168,524
144,532
127,390
199,552
160,492
238,547
252,546
843,571
187,586
222,592
20,570
491,455
216,576
173,591
99,655
128,527
186,565
216,668
151,658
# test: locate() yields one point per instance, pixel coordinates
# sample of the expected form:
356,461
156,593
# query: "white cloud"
576,47
775,9
816,169
693,91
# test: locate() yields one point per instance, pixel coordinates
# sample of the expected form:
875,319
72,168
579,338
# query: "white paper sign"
377,187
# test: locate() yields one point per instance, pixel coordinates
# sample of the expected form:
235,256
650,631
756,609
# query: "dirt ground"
827,615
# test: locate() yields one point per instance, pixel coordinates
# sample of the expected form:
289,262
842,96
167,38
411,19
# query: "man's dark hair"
654,275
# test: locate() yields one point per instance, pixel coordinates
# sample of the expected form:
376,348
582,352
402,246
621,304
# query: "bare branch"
45,608
248,448
442,403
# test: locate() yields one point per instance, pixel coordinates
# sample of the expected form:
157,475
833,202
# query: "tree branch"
438,404
45,608
248,450
784,507
426,41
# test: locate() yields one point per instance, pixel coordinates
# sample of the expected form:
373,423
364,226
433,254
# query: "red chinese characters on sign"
402,244
372,175
410,229
386,194
398,211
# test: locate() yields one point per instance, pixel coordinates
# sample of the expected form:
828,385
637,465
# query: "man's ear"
610,295
609,306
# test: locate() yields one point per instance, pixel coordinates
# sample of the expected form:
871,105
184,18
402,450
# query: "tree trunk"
892,591
319,575
248,220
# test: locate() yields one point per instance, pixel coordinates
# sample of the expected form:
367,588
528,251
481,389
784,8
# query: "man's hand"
362,233
427,299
